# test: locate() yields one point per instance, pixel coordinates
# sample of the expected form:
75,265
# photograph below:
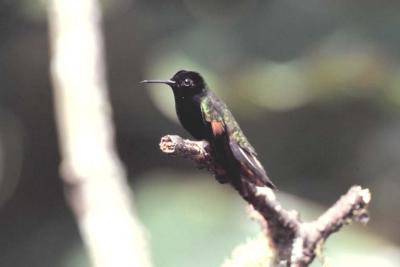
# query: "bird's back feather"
215,110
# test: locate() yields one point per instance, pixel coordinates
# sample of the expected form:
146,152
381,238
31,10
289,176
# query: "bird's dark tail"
251,169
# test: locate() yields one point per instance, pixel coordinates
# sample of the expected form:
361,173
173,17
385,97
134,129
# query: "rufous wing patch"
217,128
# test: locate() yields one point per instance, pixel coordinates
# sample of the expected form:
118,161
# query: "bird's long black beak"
169,82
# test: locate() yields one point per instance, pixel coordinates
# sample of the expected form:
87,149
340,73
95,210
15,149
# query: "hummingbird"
207,117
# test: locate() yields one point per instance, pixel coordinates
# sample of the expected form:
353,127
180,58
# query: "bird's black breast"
189,113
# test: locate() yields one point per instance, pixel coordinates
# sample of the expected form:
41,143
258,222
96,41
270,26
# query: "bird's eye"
187,82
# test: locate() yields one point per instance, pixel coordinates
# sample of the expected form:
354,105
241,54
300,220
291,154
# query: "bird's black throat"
188,109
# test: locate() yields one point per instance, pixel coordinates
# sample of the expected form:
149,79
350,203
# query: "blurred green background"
314,84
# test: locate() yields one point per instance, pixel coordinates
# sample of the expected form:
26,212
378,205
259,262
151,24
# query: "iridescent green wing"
223,123
214,110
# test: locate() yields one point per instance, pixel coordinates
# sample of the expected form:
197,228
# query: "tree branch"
95,181
294,241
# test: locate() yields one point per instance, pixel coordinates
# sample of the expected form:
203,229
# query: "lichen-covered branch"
294,241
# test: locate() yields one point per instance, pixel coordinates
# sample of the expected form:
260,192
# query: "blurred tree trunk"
95,182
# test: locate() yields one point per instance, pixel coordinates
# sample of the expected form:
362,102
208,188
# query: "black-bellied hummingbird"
206,117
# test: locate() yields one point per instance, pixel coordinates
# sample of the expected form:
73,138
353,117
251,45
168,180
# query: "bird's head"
184,82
